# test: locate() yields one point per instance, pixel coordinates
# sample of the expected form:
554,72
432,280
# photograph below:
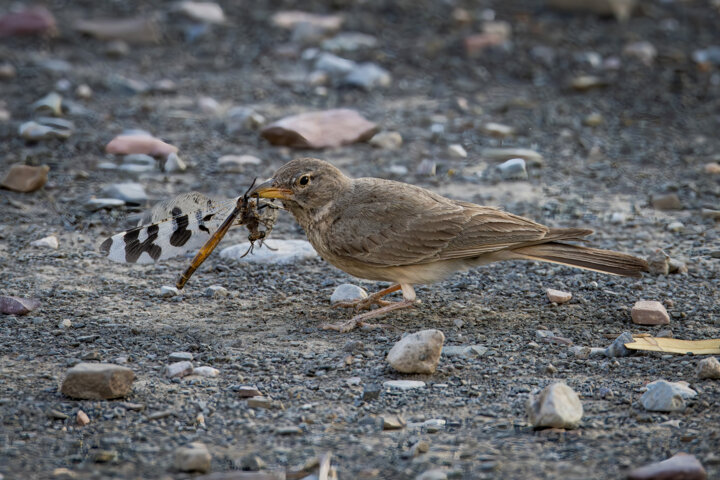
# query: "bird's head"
303,185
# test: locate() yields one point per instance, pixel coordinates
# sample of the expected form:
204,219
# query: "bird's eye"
304,180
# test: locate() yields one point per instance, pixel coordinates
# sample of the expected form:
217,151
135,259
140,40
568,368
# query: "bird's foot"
360,320
369,301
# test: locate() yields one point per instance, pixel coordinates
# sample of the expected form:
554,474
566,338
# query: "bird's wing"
390,225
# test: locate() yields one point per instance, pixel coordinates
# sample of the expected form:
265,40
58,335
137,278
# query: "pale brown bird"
396,232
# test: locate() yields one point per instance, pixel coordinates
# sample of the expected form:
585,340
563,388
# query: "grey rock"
427,167
368,76
347,293
502,154
469,351
180,357
512,169
99,203
215,291
179,369
709,368
44,130
168,291
418,352
664,396
404,384
130,192
387,141
97,381
557,406
285,252
434,474
244,118
206,371
138,163
349,42
237,163
193,458
174,164
680,466
371,392
334,65
617,347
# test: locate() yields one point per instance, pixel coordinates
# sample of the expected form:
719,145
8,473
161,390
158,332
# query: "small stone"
46,242
667,202
117,49
593,120
50,104
82,419
434,474
168,291
664,396
83,91
289,430
349,42
10,305
551,369
469,351
193,458
180,357
137,163
7,71
250,463
676,227
244,118
618,218
512,169
386,140
57,415
427,167
392,422
418,352
259,402
368,76
206,371
27,21
617,348
334,65
130,192
558,406
680,466
659,263
456,151
129,144
646,312
97,381
139,30
371,391
318,130
106,203
247,391
284,252
237,163
66,323
498,129
712,168
288,19
208,12
45,129
404,384
400,170
709,368
643,51
347,293
587,82
179,369
24,178
174,164
558,296
216,291
477,44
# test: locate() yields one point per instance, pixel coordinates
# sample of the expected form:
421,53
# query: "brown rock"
558,296
646,312
82,418
17,306
659,263
418,352
246,391
129,144
33,21
678,467
24,178
393,422
709,368
289,19
97,381
193,458
667,202
131,30
179,369
323,129
712,168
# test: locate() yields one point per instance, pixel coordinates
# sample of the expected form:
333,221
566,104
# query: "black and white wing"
174,227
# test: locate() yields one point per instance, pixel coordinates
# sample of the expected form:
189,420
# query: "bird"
396,232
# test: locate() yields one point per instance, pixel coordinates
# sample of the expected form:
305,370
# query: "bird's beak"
267,189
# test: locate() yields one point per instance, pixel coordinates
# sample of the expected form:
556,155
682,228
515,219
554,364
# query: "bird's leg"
369,301
359,320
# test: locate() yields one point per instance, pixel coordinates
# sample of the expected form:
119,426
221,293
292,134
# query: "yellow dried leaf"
674,345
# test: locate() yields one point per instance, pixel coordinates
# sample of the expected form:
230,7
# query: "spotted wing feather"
178,226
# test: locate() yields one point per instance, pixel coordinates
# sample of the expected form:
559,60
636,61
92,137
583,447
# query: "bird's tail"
605,261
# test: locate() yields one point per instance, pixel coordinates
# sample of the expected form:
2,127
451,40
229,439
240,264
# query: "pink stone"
649,313
34,21
18,305
129,144
324,129
290,18
558,296
478,43
679,467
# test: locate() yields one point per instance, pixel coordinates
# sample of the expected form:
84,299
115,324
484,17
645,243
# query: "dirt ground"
660,127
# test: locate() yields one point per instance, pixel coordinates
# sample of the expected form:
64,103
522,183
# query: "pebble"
617,348
404,384
194,457
7,71
180,357
83,91
168,291
676,227
82,419
709,368
27,21
334,65
347,293
25,178
129,144
117,49
664,396
500,154
349,42
237,163
371,391
642,50
50,104
289,430
498,129
427,167
174,164
669,201
215,291
107,203
386,140
659,263
97,381
456,151
288,19
322,129
712,168
680,466
139,30
557,406
179,369
45,129
584,83
476,44
286,252
247,391
418,352
646,312
393,422
368,76
244,118
10,305
66,323
208,12
710,55
512,169
434,474
129,192
206,371
138,163
558,296
470,351
50,241
259,402
593,120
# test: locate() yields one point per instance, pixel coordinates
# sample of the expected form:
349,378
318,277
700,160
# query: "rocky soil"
617,128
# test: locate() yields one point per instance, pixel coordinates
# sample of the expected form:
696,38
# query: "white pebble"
46,242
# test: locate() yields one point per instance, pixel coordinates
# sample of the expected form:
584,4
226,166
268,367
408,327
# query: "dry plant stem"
359,320
374,299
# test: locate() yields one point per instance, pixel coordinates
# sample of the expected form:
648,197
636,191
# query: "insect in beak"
268,190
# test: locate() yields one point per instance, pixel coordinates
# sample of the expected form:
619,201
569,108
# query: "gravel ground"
659,129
